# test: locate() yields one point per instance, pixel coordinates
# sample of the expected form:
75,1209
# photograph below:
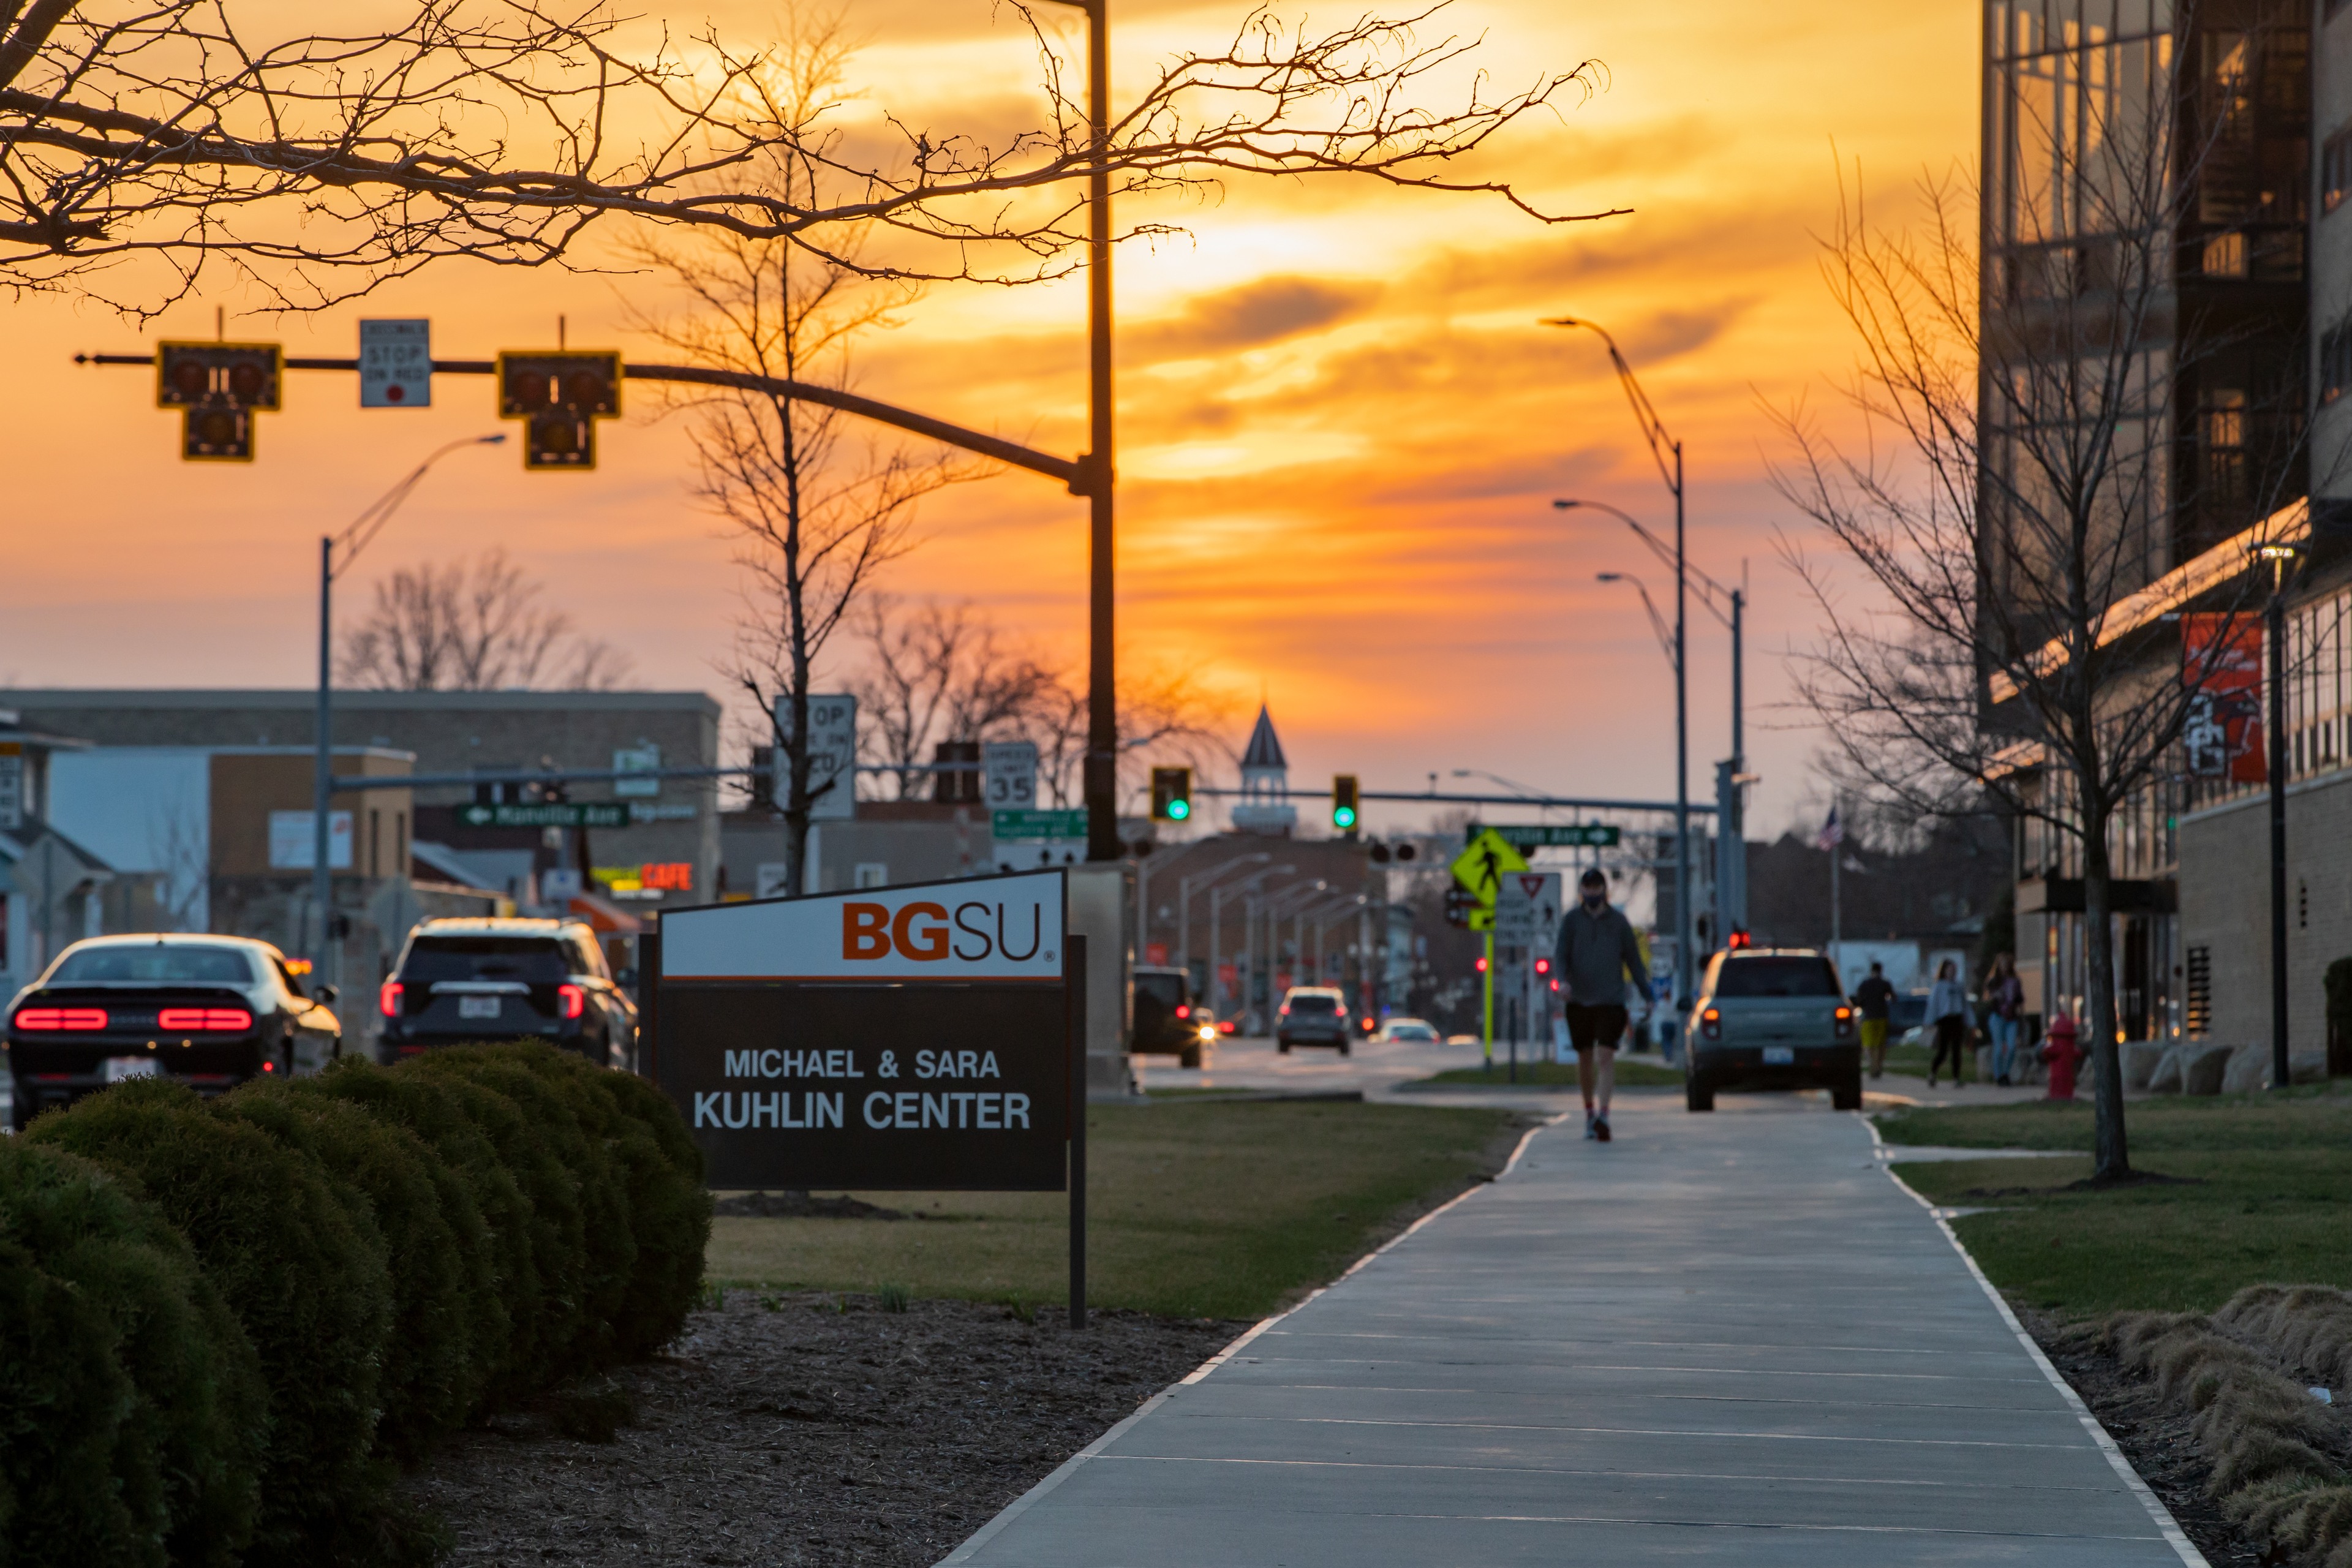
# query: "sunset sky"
1340,424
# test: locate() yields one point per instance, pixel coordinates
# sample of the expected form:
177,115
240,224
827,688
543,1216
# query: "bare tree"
2018,490
318,163
1163,715
477,627
942,672
816,505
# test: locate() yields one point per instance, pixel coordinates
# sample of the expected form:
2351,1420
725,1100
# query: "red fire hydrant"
2061,1051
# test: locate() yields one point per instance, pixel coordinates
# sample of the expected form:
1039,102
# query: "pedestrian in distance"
1596,951
2004,999
1947,1008
1875,998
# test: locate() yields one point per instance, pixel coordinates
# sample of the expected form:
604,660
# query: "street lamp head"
1566,505
498,439
1564,321
1610,578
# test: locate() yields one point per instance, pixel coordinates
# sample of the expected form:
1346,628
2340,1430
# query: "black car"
1314,1016
1166,1022
211,1011
463,980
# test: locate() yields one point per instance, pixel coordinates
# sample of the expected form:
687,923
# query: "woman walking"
2004,997
1947,1008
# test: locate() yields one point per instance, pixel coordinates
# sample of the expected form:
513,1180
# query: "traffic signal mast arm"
1072,472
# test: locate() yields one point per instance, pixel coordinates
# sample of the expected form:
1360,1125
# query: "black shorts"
1590,1026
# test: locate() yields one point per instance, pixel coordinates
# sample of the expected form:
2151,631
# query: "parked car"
1313,1016
210,1011
1409,1031
1771,1019
1166,1022
507,979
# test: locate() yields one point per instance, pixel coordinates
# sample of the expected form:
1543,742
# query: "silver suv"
1771,1019
1313,1016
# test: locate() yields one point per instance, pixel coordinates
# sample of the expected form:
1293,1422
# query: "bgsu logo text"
928,932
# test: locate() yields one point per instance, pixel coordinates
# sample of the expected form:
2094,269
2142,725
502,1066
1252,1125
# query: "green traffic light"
1343,816
1178,810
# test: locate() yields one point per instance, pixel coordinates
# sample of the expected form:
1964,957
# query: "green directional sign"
1039,825
549,813
1549,836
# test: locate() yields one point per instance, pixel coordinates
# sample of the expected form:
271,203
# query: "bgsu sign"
912,1038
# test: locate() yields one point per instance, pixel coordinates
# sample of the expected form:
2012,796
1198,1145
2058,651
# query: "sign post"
918,1038
1480,869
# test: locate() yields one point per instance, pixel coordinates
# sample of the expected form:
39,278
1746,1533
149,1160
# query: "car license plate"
1779,1056
477,1007
117,1069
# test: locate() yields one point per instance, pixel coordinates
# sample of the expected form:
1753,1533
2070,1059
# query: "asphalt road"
1721,1339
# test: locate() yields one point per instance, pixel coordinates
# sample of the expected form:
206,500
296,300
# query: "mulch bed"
2158,1442
795,1429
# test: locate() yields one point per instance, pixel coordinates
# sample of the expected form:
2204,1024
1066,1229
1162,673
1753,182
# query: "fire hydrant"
2063,1054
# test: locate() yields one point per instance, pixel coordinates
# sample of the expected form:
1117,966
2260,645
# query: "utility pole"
2274,617
1102,772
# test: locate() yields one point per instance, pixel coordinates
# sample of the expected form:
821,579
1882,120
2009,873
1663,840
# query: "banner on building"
2222,663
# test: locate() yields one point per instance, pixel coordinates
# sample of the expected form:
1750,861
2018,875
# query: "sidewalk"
1721,1339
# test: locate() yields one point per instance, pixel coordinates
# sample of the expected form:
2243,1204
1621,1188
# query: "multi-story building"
2244,354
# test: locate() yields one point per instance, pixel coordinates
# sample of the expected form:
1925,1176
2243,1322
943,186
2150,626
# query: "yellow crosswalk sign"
1483,865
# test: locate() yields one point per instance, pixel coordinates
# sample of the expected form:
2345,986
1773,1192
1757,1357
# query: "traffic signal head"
558,395
1172,794
1343,803
216,387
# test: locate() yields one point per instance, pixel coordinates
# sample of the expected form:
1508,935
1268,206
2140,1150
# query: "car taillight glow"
270,1066
388,999
61,1018
1367,1025
1183,1011
1710,1023
204,1020
1844,1022
574,999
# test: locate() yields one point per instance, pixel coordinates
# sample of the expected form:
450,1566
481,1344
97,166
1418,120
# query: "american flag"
1832,833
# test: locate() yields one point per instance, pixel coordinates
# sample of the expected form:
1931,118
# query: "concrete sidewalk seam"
1072,1465
2173,1534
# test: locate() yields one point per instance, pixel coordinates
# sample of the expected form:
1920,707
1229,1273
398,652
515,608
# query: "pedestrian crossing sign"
1482,867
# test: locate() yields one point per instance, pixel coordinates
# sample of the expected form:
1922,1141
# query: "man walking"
1597,951
1875,999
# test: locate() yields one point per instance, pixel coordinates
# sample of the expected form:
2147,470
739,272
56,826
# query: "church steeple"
1264,805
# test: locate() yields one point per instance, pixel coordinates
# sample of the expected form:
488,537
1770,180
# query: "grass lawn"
1551,1074
1194,1209
2264,1199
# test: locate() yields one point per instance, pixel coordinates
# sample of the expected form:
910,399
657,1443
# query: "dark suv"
461,980
1166,1022
1313,1016
1772,1018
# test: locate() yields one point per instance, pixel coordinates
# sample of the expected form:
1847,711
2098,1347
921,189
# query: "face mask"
1594,899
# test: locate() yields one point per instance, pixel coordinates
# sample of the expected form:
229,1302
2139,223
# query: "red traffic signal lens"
1543,966
190,378
584,389
1482,966
245,381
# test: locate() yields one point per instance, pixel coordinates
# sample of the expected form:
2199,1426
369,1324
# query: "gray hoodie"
1595,953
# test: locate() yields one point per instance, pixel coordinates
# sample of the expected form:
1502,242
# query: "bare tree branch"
318,164
475,626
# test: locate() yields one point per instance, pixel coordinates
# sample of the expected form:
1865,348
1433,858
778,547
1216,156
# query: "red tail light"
1710,1023
61,1018
270,1066
387,1000
574,1000
1367,1025
204,1020
1183,1010
1844,1022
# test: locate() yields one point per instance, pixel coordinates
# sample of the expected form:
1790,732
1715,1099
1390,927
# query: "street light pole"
1184,908
350,542
1102,689
2274,617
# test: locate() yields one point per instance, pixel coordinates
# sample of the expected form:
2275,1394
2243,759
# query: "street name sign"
396,363
1550,835
546,813
907,1038
1482,867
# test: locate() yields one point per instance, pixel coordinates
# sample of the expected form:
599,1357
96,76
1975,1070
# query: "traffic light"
216,387
1172,794
1343,802
560,395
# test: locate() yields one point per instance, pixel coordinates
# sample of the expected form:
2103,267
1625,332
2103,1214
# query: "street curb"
2168,1527
1070,1467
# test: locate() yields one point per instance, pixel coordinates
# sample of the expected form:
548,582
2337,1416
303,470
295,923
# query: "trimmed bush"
431,1375
582,1172
305,1280
134,1418
661,1170
486,1210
